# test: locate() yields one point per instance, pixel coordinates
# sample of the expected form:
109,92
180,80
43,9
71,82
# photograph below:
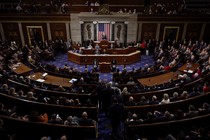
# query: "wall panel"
206,35
126,2
193,31
58,30
148,30
165,26
11,32
25,27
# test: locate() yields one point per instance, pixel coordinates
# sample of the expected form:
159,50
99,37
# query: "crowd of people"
168,56
109,94
33,96
60,6
158,116
166,98
37,116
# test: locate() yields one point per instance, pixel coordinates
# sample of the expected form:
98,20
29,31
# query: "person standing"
104,36
107,93
117,115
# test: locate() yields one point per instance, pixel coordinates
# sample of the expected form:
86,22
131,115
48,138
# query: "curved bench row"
61,72
25,130
141,111
83,97
24,106
171,127
131,129
93,97
139,74
169,91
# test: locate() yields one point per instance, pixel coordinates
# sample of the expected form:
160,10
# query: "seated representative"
111,46
90,46
80,51
103,37
113,65
85,121
97,51
95,65
97,46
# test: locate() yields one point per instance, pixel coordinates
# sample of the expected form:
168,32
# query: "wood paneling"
34,17
125,2
25,33
78,1
11,32
174,19
193,31
58,30
89,59
206,35
148,30
164,25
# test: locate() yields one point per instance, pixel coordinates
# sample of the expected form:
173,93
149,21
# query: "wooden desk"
120,58
127,50
105,67
21,69
193,67
50,79
104,44
159,79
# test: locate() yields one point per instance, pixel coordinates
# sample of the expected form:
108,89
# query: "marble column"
125,33
82,35
95,30
67,31
184,31
21,33
202,31
113,32
157,36
49,31
2,32
139,31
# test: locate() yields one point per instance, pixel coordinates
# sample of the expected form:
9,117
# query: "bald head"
84,115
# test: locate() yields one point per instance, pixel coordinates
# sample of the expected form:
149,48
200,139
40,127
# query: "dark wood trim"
35,17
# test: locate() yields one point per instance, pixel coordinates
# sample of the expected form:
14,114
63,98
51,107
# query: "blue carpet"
104,127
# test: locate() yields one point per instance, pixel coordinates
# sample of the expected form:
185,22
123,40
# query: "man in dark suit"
107,93
89,42
117,116
113,65
3,133
103,36
84,121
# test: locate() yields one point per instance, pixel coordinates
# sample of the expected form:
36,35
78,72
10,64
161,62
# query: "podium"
104,44
104,67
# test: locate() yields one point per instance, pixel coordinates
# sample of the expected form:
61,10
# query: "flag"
103,28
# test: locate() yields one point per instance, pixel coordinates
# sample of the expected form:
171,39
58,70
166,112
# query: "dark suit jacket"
116,112
85,122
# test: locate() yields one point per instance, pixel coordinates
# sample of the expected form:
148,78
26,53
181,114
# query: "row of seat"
169,127
130,129
25,130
